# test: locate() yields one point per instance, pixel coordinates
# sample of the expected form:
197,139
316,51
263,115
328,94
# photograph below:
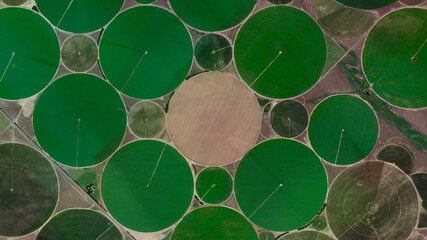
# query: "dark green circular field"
398,155
140,60
146,119
147,185
79,224
214,223
289,118
213,52
306,235
28,189
343,129
280,1
79,16
366,4
214,185
280,185
79,120
29,53
395,56
145,1
14,2
275,47
79,53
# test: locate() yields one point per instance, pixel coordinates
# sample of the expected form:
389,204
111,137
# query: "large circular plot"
214,185
306,235
29,53
395,56
214,118
372,200
214,223
79,16
28,189
79,120
79,224
79,53
343,129
283,43
289,118
280,185
140,60
147,186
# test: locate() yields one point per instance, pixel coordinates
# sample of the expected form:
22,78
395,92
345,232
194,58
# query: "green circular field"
29,53
398,155
146,119
140,60
213,52
280,185
343,129
274,49
366,4
79,224
319,223
214,223
306,235
264,235
79,120
79,53
145,1
212,15
28,189
395,56
147,186
280,1
14,2
214,185
79,16
289,118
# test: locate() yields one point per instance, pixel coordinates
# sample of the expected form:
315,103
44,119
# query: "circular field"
140,60
145,1
398,155
214,185
372,200
147,186
280,1
319,223
29,53
280,185
212,15
306,235
79,120
343,129
214,223
79,16
366,4
14,2
79,224
146,119
395,56
271,52
213,52
412,2
28,189
289,118
79,53
214,118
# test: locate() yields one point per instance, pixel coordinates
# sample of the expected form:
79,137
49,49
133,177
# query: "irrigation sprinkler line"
134,69
63,15
112,225
220,49
7,66
339,145
352,225
78,140
256,79
280,185
422,45
157,164
213,185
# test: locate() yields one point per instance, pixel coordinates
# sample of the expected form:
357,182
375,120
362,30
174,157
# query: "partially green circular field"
29,53
214,185
147,185
264,235
146,119
398,155
280,185
14,2
289,118
212,15
343,129
214,223
79,224
79,120
213,52
28,189
79,16
143,61
306,235
79,53
366,4
395,56
274,50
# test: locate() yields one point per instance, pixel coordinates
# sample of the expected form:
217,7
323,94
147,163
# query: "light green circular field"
146,119
14,2
79,53
214,185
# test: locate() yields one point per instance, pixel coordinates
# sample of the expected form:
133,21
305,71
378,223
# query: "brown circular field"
214,118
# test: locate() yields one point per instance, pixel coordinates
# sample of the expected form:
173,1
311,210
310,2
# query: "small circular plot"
372,200
412,2
271,52
213,52
280,1
29,53
398,155
79,120
79,53
214,223
289,118
14,2
146,119
140,60
420,182
79,16
28,189
145,1
147,186
366,4
79,224
306,235
280,185
319,223
394,58
343,129
214,185
213,15
264,235
214,118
